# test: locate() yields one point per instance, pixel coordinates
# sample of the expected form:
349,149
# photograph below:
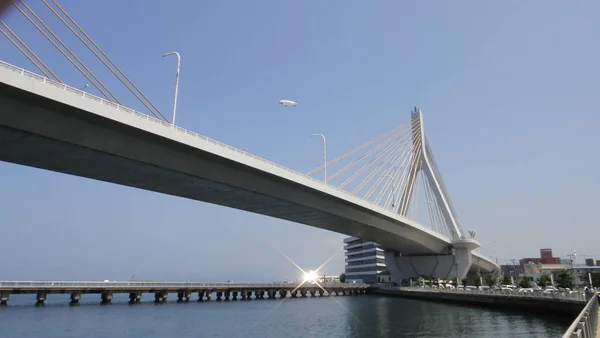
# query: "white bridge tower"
454,262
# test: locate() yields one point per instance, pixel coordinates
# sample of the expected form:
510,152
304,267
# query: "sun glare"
310,276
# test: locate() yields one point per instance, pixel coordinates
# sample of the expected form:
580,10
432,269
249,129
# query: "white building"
365,262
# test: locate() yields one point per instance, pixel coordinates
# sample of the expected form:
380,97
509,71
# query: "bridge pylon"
456,261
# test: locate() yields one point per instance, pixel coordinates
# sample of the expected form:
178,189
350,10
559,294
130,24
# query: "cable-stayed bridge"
371,192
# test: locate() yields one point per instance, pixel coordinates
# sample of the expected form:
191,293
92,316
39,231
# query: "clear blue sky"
509,90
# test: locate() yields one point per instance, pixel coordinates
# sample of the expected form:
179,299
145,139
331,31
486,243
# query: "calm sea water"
350,316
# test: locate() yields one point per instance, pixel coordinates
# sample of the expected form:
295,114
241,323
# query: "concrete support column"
303,293
244,294
272,294
200,296
160,297
322,293
135,297
294,293
249,295
75,298
283,293
183,296
4,298
313,292
227,295
209,295
261,294
106,297
219,295
234,295
41,297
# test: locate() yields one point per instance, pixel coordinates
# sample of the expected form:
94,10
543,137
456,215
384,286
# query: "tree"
506,280
525,283
564,279
544,281
477,281
490,280
464,282
343,278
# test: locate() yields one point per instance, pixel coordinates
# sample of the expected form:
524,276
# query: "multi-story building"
365,262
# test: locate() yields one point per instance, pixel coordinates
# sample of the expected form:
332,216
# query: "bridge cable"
354,151
380,166
59,49
107,58
428,203
360,158
398,154
41,63
72,54
384,152
400,181
408,179
441,220
387,143
444,191
386,165
399,163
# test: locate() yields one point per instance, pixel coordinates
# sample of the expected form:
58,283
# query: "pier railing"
576,296
150,284
586,323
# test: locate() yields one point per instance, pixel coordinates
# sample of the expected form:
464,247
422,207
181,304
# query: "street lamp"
324,154
176,83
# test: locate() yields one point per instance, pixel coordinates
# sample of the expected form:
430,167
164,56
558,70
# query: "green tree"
564,279
544,281
506,280
464,282
343,278
490,280
525,283
477,281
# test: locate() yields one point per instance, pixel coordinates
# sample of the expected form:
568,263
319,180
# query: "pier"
185,291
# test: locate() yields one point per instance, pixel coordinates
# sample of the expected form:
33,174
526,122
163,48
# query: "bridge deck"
51,287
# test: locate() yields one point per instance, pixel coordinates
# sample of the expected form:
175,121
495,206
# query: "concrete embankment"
570,306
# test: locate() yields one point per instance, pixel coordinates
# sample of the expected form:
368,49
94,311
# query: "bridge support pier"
234,295
160,297
135,297
183,296
106,297
4,298
312,292
282,293
40,298
227,295
453,265
219,295
75,298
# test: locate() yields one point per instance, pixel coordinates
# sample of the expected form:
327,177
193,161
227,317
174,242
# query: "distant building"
546,257
365,262
589,262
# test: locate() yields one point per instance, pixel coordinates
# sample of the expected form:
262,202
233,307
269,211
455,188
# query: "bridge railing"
100,100
575,296
140,284
586,323
166,124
